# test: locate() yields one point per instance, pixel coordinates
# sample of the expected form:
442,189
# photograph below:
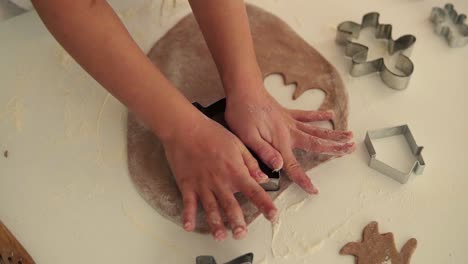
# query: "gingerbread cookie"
378,248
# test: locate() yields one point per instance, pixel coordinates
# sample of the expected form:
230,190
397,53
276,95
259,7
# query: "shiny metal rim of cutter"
439,17
401,177
348,30
244,259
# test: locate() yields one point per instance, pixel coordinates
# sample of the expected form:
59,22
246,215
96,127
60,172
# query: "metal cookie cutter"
216,112
441,17
402,177
245,259
347,31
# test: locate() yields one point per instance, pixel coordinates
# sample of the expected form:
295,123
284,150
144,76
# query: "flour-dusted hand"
273,132
210,164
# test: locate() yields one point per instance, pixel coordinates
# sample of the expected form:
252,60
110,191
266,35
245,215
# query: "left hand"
273,131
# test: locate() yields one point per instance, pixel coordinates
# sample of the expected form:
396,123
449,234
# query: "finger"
311,116
254,169
296,173
190,210
336,135
213,216
233,213
310,143
267,153
260,199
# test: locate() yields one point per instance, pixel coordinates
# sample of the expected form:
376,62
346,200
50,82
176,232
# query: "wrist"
183,124
246,85
242,82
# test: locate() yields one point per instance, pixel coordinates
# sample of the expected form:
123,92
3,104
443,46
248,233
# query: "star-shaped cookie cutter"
401,177
440,16
348,30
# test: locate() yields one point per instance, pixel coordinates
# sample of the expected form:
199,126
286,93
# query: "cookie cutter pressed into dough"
215,111
348,30
401,177
245,259
439,17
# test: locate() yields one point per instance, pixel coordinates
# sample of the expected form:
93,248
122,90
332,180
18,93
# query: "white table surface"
66,194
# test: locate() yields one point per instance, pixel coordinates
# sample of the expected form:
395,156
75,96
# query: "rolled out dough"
182,55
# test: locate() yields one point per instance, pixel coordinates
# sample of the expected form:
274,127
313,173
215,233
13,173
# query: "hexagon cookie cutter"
348,30
380,166
440,16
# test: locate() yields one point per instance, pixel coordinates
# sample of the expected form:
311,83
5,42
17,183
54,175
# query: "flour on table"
15,110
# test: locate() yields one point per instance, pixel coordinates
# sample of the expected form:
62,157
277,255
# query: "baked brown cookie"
378,248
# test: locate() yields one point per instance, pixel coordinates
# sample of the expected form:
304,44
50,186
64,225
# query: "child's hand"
273,132
210,164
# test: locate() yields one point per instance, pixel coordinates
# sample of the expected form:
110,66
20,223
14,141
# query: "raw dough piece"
378,248
182,55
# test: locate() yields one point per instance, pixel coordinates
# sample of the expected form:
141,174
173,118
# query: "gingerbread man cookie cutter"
382,167
441,16
349,30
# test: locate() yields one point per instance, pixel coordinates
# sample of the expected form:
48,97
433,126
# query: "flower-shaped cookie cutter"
401,177
347,31
441,16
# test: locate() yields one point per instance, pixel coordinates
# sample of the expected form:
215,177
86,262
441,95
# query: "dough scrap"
183,57
378,248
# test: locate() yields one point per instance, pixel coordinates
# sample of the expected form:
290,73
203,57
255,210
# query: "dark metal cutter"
245,259
216,112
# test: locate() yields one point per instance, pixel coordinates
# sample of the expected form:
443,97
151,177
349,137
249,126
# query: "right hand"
210,164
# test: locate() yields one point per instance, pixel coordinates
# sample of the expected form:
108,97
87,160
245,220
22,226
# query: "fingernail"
314,190
351,146
187,226
262,176
219,235
238,232
272,214
276,164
